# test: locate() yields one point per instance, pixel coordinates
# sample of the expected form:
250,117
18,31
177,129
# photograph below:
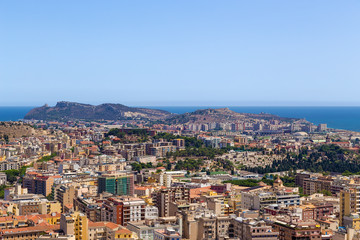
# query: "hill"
219,115
11,130
70,111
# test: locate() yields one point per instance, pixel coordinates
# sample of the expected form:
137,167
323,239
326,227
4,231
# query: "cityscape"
179,120
217,175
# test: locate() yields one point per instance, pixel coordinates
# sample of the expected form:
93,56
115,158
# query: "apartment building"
123,210
65,195
250,229
38,184
118,184
349,202
163,197
300,230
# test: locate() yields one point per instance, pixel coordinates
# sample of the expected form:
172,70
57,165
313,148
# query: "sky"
180,52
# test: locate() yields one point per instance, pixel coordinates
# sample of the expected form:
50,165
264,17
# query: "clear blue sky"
290,52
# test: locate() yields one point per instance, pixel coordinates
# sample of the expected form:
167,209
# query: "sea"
335,117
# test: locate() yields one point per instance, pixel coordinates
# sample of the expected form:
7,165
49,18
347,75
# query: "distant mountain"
219,115
71,111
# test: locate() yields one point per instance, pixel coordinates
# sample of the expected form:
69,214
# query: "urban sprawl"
205,179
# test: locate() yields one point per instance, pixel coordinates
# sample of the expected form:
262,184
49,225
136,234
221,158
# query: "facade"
349,199
75,224
118,184
287,199
163,197
248,229
167,234
151,212
302,230
147,231
38,184
314,185
65,195
26,233
123,210
256,200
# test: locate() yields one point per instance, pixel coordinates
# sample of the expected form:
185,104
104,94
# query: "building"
314,185
163,197
167,234
151,212
300,230
349,198
206,228
40,206
322,127
56,236
27,233
287,200
117,184
256,200
123,210
75,224
250,229
65,194
38,184
146,231
3,178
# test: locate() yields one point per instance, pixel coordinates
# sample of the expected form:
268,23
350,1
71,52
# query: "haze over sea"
336,117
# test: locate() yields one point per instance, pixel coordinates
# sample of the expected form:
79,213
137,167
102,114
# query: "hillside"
11,130
70,110
218,115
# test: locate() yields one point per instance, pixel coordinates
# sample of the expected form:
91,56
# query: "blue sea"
13,113
336,117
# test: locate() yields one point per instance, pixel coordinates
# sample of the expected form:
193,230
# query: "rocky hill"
70,111
11,130
219,115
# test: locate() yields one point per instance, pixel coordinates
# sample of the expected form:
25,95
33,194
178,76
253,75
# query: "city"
179,120
219,180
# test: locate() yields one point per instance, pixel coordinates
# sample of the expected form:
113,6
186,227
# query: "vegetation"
142,134
328,158
47,158
288,181
137,166
210,153
245,183
2,191
189,164
11,175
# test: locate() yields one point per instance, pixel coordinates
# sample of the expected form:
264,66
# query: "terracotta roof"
111,225
196,192
38,228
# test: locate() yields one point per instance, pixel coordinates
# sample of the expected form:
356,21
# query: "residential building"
118,184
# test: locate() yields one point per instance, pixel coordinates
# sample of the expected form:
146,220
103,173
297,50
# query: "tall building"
123,210
322,127
38,184
118,184
163,198
349,199
65,195
75,224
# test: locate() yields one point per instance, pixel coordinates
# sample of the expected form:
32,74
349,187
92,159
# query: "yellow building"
124,234
81,226
53,207
75,224
349,199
